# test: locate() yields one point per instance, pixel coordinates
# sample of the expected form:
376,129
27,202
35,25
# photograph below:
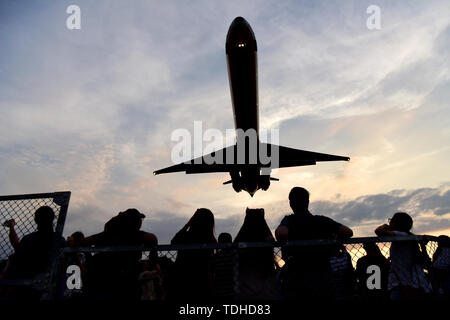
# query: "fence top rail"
242,245
34,196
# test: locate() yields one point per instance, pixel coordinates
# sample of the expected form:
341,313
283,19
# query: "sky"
91,111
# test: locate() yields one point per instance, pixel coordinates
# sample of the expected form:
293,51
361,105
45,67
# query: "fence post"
62,199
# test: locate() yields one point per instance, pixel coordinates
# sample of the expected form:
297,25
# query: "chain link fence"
231,276
21,209
355,249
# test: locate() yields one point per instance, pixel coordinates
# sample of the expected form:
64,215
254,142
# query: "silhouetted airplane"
247,173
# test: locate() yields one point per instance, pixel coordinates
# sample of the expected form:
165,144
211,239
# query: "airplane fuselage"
241,52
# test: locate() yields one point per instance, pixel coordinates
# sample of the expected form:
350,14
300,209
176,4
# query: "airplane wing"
205,164
217,161
290,157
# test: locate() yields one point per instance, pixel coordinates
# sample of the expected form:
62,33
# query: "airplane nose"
240,35
239,21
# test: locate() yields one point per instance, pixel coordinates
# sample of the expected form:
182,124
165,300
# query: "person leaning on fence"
407,279
192,276
257,274
307,272
35,253
114,275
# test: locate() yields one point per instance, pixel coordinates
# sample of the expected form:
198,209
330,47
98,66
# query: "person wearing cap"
114,275
123,229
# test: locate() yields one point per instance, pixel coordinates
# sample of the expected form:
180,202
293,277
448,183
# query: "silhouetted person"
79,259
441,268
307,272
343,274
192,278
224,262
35,253
257,275
406,277
224,237
373,257
114,275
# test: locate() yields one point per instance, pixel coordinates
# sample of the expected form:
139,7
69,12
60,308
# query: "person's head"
131,219
401,221
225,237
75,239
202,225
44,217
371,249
254,228
299,199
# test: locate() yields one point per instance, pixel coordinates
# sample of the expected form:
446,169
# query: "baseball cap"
132,212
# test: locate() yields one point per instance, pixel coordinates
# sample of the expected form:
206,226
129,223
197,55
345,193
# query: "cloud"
427,206
344,69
